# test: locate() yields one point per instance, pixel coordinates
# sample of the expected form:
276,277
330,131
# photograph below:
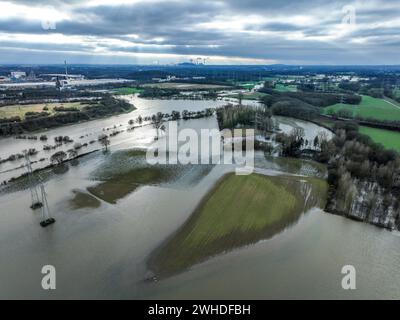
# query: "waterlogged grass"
127,90
119,186
389,139
125,171
369,107
240,210
247,84
249,96
84,200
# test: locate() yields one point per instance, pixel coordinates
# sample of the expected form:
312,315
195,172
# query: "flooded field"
113,211
238,211
87,133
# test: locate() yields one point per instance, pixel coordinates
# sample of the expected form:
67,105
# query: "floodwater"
303,262
311,130
100,251
87,132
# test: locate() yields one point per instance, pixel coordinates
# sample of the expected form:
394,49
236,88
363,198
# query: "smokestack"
66,69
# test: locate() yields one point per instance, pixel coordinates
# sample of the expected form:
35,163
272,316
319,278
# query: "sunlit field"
389,139
369,107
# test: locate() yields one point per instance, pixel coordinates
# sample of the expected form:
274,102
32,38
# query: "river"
89,131
101,252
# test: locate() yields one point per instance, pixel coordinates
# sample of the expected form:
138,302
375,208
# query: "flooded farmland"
113,211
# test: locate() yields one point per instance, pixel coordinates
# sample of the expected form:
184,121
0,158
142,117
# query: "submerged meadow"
237,211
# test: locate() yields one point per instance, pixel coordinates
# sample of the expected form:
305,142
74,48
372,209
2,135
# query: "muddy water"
310,129
89,131
304,262
101,251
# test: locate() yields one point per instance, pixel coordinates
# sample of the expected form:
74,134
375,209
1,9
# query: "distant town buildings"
17,75
20,80
167,79
174,78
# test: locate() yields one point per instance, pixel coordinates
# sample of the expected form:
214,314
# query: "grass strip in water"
84,200
120,185
239,210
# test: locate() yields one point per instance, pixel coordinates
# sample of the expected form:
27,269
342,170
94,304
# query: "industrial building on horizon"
20,80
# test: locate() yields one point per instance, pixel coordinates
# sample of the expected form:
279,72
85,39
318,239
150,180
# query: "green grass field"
21,110
240,210
246,84
389,139
127,90
369,108
285,88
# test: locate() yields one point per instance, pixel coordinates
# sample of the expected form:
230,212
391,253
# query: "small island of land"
239,210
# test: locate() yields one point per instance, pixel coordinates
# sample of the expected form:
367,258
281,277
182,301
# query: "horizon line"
203,65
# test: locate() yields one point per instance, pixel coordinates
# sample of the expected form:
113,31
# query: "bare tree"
58,157
72,153
240,98
104,141
78,146
158,122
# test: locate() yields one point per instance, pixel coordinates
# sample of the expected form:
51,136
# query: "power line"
46,218
35,202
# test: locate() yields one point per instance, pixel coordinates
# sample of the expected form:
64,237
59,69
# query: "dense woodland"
362,174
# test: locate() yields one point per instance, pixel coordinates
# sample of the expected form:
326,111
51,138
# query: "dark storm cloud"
291,31
14,25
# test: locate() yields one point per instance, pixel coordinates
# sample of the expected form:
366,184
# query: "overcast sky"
223,32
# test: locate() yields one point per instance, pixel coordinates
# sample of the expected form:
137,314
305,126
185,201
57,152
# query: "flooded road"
100,251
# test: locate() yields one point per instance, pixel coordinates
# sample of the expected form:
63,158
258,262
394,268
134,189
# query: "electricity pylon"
46,218
36,203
